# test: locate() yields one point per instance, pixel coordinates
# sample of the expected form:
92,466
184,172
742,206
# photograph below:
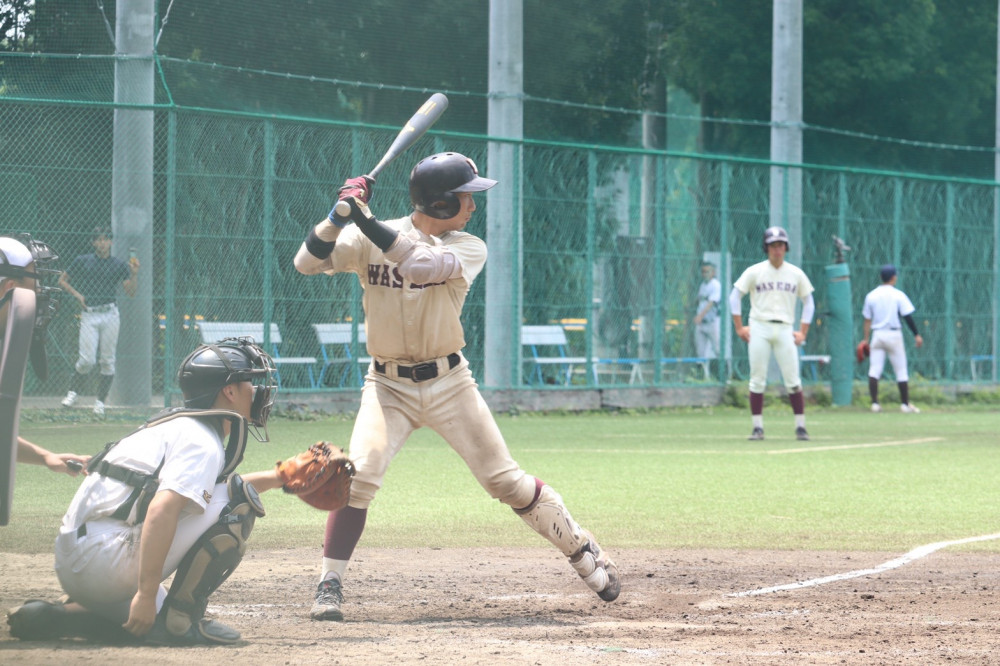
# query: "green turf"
669,479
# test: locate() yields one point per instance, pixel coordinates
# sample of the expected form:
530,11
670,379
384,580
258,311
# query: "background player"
416,272
883,308
774,285
95,280
706,318
164,500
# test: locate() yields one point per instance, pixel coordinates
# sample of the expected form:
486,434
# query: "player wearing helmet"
416,272
774,285
163,501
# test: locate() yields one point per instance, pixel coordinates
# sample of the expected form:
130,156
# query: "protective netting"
247,157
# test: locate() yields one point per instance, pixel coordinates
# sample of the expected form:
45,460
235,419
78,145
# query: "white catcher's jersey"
773,291
192,455
884,305
425,318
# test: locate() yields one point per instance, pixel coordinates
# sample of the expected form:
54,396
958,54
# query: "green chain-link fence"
235,196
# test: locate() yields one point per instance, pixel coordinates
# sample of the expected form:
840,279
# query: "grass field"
666,479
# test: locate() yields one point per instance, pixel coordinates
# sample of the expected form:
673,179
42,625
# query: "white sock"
331,566
757,420
800,420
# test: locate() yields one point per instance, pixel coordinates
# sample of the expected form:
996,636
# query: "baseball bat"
414,128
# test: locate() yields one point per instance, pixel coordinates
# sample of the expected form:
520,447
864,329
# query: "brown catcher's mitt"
320,476
862,351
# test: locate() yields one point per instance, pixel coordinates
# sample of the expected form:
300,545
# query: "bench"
214,331
335,344
814,361
976,359
548,347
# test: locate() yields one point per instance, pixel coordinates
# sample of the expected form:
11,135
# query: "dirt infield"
526,606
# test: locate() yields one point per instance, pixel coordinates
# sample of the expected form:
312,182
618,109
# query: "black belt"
775,321
420,372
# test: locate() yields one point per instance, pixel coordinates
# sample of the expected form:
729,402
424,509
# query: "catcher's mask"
435,181
210,367
775,235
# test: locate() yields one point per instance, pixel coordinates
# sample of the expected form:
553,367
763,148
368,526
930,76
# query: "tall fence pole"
132,194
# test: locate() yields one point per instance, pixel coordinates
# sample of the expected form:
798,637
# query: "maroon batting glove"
360,188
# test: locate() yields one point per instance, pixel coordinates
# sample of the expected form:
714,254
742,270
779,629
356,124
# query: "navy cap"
888,272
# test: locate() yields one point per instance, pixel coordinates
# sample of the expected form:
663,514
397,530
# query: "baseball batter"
774,285
416,272
884,307
164,501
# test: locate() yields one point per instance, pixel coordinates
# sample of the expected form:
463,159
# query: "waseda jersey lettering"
776,286
382,275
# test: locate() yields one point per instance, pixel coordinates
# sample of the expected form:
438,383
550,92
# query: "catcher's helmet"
435,180
210,367
775,235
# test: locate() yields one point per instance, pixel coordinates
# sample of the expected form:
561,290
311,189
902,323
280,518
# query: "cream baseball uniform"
884,306
773,292
409,323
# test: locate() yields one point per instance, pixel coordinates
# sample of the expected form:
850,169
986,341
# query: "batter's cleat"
876,407
756,435
98,408
907,408
36,620
202,632
597,570
328,599
69,400
801,434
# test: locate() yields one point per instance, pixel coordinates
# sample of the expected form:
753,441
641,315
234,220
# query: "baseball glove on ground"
862,351
320,476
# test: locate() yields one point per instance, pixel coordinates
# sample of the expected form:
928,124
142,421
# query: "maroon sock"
756,403
343,531
798,402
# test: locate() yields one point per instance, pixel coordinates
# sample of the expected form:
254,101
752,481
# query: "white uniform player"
885,308
164,501
416,272
774,286
706,318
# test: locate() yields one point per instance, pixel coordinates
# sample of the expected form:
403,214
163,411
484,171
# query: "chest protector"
144,485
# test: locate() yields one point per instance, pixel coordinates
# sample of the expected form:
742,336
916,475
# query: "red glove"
360,188
862,351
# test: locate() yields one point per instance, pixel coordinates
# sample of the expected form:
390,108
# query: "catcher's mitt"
862,351
320,476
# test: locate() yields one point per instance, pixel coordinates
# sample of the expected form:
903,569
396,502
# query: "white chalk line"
764,452
915,554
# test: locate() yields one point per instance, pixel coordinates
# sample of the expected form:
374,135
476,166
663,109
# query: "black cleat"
328,599
801,434
756,435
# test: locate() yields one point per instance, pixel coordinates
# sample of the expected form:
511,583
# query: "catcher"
167,500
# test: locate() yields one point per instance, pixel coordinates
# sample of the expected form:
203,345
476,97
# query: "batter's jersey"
773,291
884,306
97,279
405,322
192,455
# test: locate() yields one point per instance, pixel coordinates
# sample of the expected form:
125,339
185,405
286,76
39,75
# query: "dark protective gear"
435,181
775,235
210,367
211,560
46,294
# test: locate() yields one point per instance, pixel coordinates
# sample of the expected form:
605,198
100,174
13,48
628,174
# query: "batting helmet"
775,235
435,181
210,367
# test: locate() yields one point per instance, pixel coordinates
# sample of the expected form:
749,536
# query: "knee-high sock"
756,403
343,531
904,392
104,386
873,388
798,402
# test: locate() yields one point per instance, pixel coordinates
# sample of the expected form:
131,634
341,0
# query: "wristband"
318,247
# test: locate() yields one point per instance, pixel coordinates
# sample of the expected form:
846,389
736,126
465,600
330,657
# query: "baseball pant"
100,570
766,337
98,333
451,405
706,339
888,343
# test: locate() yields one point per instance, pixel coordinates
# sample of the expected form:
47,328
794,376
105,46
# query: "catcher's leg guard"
548,516
212,558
